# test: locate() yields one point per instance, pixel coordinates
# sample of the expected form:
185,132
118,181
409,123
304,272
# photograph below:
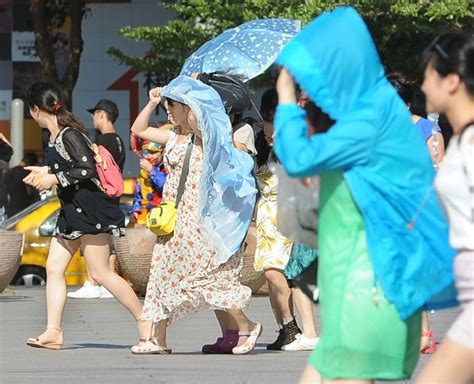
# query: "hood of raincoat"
339,68
227,191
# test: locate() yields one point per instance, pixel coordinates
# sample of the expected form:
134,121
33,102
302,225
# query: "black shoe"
278,343
286,335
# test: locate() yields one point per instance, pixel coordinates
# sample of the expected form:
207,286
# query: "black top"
85,209
114,144
21,195
6,152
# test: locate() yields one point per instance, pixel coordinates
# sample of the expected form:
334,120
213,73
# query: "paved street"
99,333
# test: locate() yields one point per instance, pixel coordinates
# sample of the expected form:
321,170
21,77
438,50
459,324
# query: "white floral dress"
273,249
184,276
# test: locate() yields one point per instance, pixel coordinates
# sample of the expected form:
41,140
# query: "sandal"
150,347
36,343
251,341
431,346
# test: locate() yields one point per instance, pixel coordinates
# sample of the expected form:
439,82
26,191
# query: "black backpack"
231,89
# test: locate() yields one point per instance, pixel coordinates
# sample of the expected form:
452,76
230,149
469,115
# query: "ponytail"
49,98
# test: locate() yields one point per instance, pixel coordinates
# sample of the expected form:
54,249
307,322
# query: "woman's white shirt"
455,187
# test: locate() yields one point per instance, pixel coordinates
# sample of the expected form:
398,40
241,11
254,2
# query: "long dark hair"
319,122
48,97
452,52
268,104
403,87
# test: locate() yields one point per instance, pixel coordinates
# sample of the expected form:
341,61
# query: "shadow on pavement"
96,346
13,298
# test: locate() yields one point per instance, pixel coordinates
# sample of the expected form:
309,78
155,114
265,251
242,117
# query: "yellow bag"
162,219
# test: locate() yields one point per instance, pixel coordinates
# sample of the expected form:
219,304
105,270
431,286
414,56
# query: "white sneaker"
105,294
87,291
301,343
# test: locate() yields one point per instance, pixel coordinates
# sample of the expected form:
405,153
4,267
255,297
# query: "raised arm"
140,125
343,146
346,144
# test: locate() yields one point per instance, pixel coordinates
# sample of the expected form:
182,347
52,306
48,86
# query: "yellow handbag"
161,220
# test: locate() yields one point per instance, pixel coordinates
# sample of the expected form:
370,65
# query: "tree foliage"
401,28
47,16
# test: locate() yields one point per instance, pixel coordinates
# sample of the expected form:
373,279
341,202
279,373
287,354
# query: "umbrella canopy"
245,51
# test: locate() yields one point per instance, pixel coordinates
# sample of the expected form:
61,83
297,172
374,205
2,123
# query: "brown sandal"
36,343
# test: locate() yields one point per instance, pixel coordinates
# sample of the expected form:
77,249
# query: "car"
37,222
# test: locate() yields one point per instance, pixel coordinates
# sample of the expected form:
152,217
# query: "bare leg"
160,332
97,258
347,381
280,295
89,277
425,329
451,363
310,376
223,320
226,322
112,262
305,309
249,332
239,318
60,254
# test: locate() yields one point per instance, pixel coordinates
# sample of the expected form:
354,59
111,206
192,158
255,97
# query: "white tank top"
455,186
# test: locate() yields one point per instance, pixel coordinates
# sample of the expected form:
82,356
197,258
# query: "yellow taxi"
37,222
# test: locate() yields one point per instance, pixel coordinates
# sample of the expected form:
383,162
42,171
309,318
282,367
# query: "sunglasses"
146,152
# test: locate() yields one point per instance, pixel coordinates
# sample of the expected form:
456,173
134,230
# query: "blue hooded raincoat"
384,159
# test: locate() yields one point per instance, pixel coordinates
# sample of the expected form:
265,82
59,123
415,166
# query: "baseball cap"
108,106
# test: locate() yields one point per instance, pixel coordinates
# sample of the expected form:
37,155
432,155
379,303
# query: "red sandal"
431,346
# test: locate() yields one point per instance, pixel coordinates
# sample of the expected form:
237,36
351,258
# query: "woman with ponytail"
87,218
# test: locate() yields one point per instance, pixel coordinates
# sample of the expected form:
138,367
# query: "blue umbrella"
245,51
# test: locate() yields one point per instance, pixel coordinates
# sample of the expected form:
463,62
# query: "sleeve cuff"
62,179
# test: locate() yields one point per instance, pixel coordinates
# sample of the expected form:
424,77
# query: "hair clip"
57,106
441,51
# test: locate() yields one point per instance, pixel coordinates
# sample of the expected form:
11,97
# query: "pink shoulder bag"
109,172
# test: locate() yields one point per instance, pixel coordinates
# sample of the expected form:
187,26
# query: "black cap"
108,106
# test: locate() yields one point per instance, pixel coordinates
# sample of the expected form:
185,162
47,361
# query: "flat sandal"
35,342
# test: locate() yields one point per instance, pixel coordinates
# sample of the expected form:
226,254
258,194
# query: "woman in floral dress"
198,266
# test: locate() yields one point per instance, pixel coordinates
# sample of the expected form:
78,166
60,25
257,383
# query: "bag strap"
185,171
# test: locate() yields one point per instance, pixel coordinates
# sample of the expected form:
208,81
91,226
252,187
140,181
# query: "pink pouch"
109,172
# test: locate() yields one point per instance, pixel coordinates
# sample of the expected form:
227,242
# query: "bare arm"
4,139
140,125
241,146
